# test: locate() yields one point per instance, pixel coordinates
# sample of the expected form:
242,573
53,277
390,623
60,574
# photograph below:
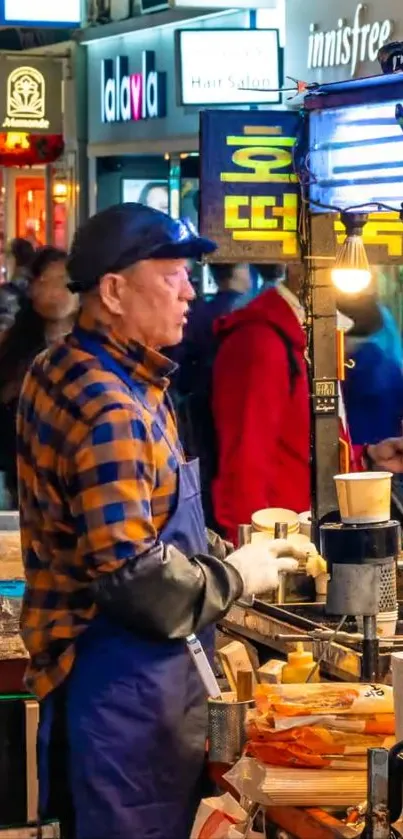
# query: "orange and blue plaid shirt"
97,482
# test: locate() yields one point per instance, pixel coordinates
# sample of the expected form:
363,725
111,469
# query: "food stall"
259,214
340,161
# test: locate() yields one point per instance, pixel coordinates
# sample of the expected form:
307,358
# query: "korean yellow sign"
249,189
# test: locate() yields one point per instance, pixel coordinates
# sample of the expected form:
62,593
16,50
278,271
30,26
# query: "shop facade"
145,91
43,144
331,42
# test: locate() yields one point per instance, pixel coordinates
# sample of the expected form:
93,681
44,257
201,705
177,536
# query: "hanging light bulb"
351,272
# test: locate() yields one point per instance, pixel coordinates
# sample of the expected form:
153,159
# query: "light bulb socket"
354,223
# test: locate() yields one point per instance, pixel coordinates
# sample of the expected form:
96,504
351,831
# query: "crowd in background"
241,389
36,309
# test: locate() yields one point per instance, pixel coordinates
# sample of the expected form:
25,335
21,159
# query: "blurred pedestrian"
373,388
19,256
261,405
192,387
46,314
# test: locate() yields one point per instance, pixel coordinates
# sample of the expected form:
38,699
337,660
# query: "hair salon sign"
350,43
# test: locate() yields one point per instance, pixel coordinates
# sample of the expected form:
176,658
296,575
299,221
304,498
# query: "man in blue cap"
118,566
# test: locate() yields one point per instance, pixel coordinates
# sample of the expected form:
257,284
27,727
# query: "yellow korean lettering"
276,153
259,221
232,206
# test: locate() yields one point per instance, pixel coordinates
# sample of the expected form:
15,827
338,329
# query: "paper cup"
305,524
364,497
386,623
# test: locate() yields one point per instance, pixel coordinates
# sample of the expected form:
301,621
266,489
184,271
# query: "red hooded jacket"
262,420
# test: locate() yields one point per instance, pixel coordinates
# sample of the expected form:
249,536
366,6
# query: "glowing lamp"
16,141
59,192
351,272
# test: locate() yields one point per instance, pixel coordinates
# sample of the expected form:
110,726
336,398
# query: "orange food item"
336,702
278,755
380,724
363,724
323,699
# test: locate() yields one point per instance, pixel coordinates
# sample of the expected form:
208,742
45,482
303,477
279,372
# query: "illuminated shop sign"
356,156
349,43
31,96
26,99
131,96
249,190
243,66
40,13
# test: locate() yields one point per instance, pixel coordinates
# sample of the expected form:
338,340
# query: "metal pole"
174,179
281,532
49,204
377,824
325,420
370,650
6,199
244,534
92,187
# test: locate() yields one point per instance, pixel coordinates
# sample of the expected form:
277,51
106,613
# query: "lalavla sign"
128,96
328,42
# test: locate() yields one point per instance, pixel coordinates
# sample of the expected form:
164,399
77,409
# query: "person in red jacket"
261,405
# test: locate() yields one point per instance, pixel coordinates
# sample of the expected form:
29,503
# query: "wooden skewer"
244,685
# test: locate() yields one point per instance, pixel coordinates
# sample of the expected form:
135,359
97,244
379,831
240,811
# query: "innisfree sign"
350,43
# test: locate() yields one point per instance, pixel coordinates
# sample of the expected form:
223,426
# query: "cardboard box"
233,657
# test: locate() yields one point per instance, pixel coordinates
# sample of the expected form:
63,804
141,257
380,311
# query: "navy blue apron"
136,711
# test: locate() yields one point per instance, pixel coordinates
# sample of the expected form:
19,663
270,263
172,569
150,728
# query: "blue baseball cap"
124,234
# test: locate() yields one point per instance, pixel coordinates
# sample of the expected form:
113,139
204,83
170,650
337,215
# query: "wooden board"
48,832
297,822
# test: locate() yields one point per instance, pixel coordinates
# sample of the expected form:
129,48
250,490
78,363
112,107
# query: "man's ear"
111,291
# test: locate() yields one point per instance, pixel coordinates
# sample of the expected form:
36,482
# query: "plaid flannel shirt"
97,482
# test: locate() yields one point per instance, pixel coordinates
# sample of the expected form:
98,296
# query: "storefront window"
25,195
30,213
189,187
152,193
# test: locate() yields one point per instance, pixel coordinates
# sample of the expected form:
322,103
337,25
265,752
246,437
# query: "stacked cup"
365,498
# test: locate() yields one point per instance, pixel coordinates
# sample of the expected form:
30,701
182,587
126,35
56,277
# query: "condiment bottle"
299,667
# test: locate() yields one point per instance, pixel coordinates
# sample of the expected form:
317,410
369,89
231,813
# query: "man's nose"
188,291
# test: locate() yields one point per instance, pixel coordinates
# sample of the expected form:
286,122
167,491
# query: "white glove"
259,564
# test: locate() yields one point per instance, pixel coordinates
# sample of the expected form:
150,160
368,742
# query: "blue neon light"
356,156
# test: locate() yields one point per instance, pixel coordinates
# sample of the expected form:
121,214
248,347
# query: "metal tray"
262,621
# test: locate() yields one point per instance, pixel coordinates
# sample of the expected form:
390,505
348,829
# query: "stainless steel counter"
262,621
